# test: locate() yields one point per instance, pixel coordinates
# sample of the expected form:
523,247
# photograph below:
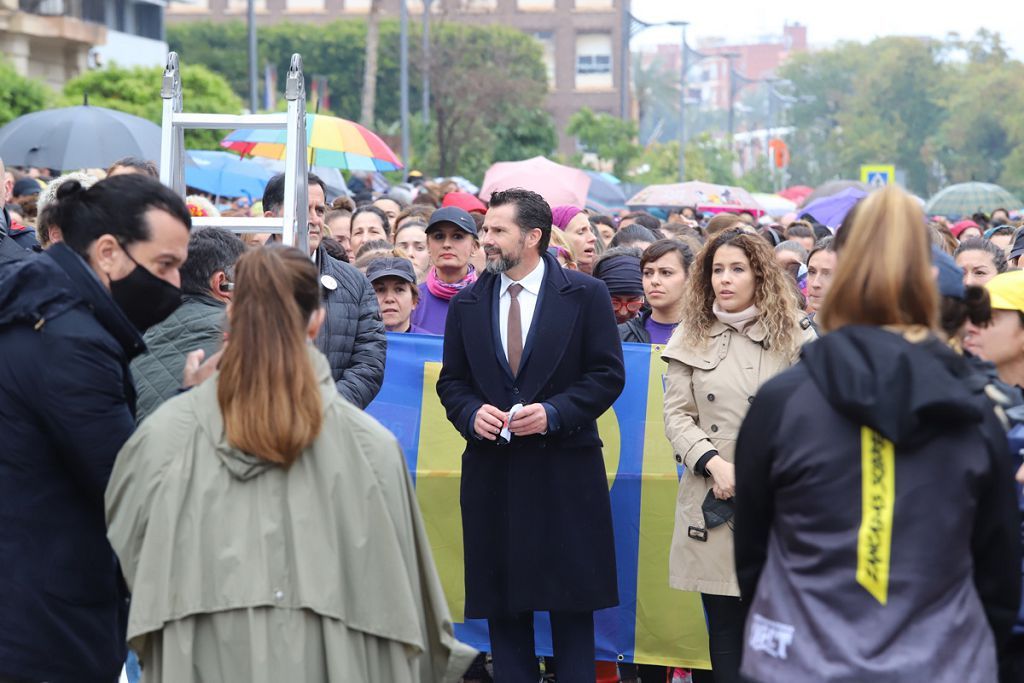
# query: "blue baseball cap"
454,215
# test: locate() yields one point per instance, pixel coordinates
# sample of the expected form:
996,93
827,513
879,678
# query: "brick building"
581,38
710,77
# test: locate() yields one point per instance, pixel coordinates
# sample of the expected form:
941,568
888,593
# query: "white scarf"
740,320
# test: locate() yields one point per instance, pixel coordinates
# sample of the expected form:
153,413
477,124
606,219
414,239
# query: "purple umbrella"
832,210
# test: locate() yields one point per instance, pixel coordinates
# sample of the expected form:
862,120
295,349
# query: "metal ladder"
293,226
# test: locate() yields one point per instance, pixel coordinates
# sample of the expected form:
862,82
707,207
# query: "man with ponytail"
71,319
352,336
267,528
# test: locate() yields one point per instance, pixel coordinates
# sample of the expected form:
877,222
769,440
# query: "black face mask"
143,297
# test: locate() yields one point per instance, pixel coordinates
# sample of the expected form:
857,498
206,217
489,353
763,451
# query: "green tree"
609,137
137,91
20,95
975,141
479,78
488,83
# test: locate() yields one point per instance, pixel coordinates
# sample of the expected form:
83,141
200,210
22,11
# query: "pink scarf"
444,290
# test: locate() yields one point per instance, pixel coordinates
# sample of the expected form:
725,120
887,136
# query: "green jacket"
203,529
197,324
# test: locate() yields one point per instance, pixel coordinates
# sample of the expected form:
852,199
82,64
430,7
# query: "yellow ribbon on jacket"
878,501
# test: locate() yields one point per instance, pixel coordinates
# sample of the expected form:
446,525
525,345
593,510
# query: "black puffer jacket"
877,532
353,336
634,330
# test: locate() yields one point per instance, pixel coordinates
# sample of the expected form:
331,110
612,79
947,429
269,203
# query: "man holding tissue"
536,514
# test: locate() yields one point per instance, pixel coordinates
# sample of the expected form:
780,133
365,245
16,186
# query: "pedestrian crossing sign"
878,175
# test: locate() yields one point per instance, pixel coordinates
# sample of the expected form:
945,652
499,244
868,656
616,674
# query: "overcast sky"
742,21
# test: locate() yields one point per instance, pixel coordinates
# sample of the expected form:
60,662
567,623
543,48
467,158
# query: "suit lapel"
553,322
477,310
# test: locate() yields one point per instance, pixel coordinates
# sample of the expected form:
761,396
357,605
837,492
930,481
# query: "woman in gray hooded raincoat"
267,528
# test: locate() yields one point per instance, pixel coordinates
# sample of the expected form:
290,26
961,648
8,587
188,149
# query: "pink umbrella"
556,183
707,197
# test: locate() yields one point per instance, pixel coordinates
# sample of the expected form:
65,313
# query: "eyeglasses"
627,306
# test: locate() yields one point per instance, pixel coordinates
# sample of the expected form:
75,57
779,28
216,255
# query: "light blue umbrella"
226,175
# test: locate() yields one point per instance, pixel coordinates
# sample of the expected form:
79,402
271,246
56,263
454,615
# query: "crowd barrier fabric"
653,624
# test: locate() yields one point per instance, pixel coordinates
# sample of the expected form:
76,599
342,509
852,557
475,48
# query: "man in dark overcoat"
536,514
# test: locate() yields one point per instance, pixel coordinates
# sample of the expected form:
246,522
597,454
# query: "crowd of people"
188,471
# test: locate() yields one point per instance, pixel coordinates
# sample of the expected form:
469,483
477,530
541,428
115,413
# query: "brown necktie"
515,329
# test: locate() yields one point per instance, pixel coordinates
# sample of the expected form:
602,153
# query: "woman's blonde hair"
773,293
558,240
268,393
884,270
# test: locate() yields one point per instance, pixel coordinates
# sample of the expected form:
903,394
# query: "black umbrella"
78,137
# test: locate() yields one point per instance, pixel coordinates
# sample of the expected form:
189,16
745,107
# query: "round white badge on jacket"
329,282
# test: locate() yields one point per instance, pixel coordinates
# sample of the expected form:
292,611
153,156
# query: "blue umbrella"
832,210
225,175
605,193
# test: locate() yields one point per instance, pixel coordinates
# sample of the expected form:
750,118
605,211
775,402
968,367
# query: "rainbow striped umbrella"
332,142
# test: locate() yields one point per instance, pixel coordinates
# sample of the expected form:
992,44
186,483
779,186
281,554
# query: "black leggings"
725,636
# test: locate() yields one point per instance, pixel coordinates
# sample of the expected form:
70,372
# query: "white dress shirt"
527,302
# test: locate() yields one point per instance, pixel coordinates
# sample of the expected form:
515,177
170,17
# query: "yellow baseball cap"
1006,291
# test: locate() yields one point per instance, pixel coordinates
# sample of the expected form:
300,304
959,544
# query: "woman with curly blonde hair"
742,326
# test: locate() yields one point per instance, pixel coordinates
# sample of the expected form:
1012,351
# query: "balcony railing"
86,10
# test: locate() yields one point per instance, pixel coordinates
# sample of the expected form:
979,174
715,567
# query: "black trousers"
514,652
725,638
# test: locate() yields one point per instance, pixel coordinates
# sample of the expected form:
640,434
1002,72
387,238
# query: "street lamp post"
684,69
403,77
426,62
253,94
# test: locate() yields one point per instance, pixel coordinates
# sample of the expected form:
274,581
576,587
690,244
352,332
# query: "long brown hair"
884,271
773,294
268,393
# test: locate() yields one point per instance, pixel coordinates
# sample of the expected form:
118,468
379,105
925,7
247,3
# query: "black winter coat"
633,330
352,336
536,515
876,521
66,408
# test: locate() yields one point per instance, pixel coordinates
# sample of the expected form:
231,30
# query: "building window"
300,6
149,21
535,5
243,6
547,44
594,61
594,64
478,5
188,7
595,4
361,6
416,6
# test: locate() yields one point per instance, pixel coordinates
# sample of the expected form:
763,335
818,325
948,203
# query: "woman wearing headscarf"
575,223
877,536
267,528
743,327
619,269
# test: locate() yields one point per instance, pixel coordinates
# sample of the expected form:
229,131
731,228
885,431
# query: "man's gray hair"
209,250
793,246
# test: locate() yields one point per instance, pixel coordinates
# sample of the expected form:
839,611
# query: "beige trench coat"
707,394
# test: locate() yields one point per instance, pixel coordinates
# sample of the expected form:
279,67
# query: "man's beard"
505,262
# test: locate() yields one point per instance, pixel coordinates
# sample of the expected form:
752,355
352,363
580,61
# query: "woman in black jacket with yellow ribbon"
877,531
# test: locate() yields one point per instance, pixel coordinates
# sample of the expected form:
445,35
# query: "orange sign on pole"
780,152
